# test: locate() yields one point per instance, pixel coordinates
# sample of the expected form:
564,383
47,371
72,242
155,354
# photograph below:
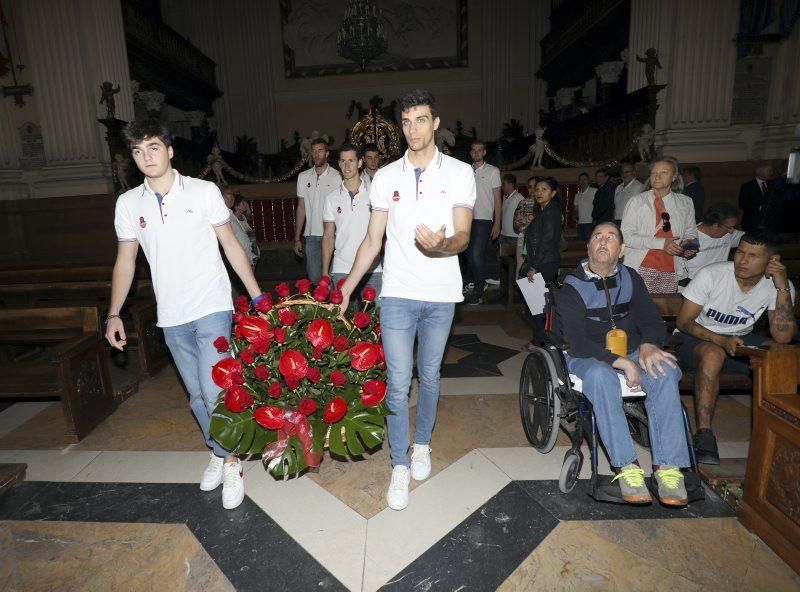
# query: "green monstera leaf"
356,433
291,462
238,432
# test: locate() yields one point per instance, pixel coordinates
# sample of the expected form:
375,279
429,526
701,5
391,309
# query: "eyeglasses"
665,225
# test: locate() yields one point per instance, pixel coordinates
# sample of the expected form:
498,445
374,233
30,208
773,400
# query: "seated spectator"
584,201
694,190
660,230
601,295
721,305
717,235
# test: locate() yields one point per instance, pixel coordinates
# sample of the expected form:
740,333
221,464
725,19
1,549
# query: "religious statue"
119,170
305,145
645,140
538,149
444,136
108,91
650,60
216,165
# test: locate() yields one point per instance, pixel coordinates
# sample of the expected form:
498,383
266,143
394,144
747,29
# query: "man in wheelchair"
598,301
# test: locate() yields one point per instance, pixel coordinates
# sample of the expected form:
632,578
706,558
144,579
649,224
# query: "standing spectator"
244,217
312,187
629,187
656,226
752,197
603,209
717,235
694,190
782,206
372,160
543,244
523,216
584,201
229,195
511,199
485,220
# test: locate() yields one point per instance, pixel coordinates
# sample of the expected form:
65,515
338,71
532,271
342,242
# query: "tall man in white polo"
179,222
312,187
346,217
423,204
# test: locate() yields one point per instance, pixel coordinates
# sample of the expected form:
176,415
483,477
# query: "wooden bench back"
83,318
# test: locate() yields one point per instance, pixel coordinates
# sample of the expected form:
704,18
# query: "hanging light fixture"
360,37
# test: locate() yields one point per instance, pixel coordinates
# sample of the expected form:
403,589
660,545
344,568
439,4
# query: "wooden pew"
71,362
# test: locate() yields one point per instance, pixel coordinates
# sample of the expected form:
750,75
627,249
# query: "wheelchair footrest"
606,491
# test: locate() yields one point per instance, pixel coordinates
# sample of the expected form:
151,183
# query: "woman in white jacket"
659,229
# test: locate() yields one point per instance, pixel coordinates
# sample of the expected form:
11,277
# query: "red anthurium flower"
320,333
222,372
255,328
335,410
381,353
242,303
275,390
280,335
287,317
313,374
221,344
340,343
237,399
283,289
293,364
336,297
338,378
325,280
369,294
269,417
362,320
262,372
373,392
363,355
265,304
321,293
247,356
303,285
307,406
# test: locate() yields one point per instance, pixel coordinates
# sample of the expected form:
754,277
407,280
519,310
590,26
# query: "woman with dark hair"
542,242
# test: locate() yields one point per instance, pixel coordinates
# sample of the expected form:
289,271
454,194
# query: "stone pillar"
495,68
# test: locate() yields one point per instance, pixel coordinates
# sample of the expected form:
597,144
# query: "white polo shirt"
445,184
584,202
487,179
178,239
623,194
350,214
313,189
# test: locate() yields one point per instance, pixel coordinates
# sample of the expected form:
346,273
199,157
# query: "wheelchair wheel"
539,403
569,471
637,423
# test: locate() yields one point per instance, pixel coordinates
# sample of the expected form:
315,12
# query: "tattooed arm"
782,323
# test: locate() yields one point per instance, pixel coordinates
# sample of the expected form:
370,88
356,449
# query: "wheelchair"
550,398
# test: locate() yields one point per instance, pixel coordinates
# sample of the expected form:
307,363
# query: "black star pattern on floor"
467,356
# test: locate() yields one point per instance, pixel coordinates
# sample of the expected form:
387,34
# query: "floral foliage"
302,377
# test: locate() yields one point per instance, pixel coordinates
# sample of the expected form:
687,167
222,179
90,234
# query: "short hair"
584,174
509,178
317,141
370,147
608,223
418,98
694,171
348,147
771,240
720,212
138,131
677,184
603,170
477,142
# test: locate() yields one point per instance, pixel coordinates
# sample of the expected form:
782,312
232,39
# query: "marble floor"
121,510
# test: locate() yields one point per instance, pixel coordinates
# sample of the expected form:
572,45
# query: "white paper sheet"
533,292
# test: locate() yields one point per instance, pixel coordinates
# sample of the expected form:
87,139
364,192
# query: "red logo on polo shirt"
142,223
396,196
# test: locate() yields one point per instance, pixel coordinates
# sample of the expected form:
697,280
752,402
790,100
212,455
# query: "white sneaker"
397,496
421,462
212,476
232,485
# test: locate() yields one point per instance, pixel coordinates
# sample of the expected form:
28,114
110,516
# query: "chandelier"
360,37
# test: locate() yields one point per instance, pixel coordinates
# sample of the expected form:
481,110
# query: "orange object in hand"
617,342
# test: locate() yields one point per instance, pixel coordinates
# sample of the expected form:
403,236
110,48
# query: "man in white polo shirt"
584,202
629,187
486,218
312,187
346,217
423,204
179,221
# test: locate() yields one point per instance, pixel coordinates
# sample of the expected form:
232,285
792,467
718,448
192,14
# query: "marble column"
496,75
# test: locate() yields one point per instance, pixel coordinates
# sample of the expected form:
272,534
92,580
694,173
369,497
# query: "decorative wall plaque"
751,90
30,136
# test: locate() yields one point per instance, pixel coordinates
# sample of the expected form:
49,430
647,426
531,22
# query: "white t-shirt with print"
726,309
350,216
487,179
712,250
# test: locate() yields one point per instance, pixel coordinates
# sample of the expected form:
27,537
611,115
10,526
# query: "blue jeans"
312,247
192,348
664,415
401,321
476,253
374,280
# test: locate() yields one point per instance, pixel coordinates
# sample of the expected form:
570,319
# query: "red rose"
238,316
338,378
261,346
320,333
222,372
362,320
313,374
237,378
303,286
336,297
237,331
265,304
280,335
369,294
317,353
222,344
292,383
293,364
363,355
340,343
307,406
335,410
287,317
275,390
242,303
262,373
246,356
254,328
325,280
283,289
269,417
373,392
237,399
321,293
339,283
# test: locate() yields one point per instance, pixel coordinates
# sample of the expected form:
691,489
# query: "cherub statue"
650,60
305,145
444,136
108,91
119,170
216,165
538,148
645,140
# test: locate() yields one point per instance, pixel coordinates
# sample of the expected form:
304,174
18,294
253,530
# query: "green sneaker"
671,487
631,485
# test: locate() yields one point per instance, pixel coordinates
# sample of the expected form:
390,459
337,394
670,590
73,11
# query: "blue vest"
593,294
